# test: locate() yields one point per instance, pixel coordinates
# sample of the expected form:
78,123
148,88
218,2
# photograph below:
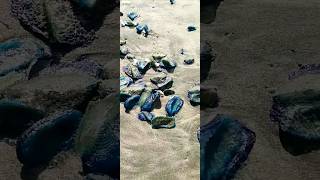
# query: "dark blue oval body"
149,104
174,105
131,102
145,116
44,139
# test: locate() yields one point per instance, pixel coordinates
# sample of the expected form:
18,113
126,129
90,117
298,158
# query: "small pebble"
167,63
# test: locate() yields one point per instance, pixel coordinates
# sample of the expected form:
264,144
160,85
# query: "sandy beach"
258,43
148,153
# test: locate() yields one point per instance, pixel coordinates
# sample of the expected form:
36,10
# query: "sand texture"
258,43
66,165
148,153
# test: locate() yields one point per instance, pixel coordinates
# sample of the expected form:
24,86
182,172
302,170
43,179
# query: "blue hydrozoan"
145,116
16,117
150,102
174,105
97,139
224,145
55,132
131,102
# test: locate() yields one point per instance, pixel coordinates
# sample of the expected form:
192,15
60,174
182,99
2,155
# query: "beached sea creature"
125,81
44,18
16,117
31,14
146,30
174,105
224,145
143,28
47,137
194,95
144,96
143,65
165,84
81,65
133,72
62,22
127,92
158,78
130,23
168,92
98,140
145,116
163,122
162,81
54,92
94,5
132,15
131,102
160,92
139,83
298,114
167,63
150,102
19,54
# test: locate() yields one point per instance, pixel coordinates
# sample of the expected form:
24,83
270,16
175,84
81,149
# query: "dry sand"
258,43
66,165
148,153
